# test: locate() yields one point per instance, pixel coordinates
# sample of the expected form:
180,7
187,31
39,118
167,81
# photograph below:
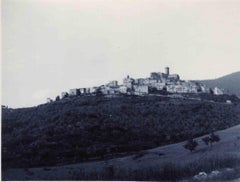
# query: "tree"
57,98
211,91
206,140
66,95
78,92
214,138
49,100
211,139
191,145
99,92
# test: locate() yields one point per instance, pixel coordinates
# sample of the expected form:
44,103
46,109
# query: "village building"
88,90
204,89
74,92
184,87
93,90
128,82
64,94
49,100
217,91
174,77
83,90
228,101
142,86
149,81
158,85
123,89
106,90
141,89
139,81
112,84
158,76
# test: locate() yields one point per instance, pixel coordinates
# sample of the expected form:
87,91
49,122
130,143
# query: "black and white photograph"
120,90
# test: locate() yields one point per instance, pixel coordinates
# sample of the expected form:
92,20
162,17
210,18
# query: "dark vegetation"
94,128
191,145
211,139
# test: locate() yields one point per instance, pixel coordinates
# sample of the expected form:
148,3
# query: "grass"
168,171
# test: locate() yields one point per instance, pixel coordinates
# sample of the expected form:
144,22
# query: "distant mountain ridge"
230,83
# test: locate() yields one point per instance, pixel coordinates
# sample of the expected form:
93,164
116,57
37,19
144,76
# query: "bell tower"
167,71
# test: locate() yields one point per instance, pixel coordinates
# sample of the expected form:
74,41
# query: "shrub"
191,145
214,138
206,140
211,139
57,98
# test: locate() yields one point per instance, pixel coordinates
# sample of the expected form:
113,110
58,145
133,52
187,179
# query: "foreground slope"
168,162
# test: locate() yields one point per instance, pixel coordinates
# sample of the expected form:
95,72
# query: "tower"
167,71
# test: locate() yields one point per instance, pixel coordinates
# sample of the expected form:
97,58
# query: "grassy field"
170,162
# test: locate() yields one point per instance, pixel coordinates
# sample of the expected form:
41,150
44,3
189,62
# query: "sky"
50,46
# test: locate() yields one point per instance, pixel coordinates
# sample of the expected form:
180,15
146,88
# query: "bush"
211,139
206,140
214,138
191,145
57,98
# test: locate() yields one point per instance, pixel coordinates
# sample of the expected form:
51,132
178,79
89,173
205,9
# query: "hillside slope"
147,165
90,128
230,83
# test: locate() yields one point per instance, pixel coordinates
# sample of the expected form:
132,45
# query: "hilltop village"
158,82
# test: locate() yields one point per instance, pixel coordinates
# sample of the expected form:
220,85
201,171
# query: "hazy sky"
50,46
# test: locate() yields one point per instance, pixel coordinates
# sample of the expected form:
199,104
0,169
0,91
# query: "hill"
80,129
170,162
230,83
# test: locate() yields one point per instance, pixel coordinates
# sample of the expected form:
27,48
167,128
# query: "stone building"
141,89
74,92
88,90
64,94
158,76
83,90
141,86
204,89
93,90
106,90
128,82
139,81
123,89
173,77
112,84
184,87
159,86
217,91
49,100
